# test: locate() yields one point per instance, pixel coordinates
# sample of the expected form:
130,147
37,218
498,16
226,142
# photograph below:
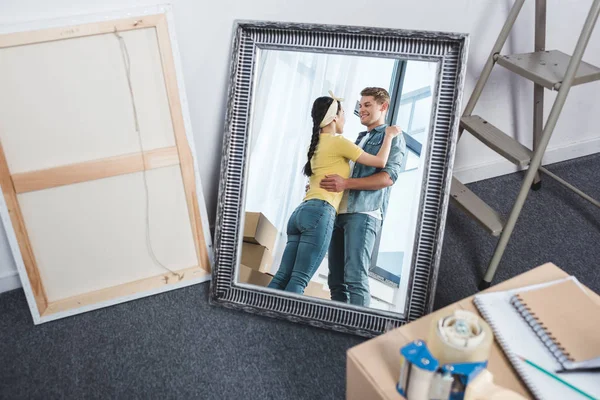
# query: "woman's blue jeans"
309,233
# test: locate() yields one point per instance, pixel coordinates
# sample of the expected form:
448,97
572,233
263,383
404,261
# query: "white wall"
204,31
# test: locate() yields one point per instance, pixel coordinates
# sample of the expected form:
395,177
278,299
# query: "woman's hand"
380,160
393,131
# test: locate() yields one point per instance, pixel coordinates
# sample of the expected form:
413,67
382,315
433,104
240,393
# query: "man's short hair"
379,94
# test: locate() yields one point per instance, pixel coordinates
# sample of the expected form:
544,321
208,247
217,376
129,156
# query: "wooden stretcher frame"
183,154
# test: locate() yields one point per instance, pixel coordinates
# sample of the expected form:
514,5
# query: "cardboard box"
259,230
251,275
257,257
373,367
315,289
248,275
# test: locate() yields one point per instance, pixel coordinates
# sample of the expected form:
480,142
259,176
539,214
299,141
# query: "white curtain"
281,127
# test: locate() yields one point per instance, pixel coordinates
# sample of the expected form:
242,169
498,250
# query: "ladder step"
497,140
470,203
548,68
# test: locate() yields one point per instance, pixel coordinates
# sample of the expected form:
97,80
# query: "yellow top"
331,157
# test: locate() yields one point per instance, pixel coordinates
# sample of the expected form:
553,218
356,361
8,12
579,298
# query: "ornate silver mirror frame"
449,51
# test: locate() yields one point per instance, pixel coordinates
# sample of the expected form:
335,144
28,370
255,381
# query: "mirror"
336,172
368,263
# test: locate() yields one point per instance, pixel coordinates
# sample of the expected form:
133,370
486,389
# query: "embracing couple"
343,209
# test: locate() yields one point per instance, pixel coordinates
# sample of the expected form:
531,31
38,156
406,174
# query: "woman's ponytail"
319,110
314,141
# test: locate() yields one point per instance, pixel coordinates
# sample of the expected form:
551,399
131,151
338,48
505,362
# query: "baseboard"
9,281
474,173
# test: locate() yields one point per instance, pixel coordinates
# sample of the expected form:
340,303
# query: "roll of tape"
461,337
420,383
417,371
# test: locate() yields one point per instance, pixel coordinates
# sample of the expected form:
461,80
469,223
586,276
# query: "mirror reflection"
336,161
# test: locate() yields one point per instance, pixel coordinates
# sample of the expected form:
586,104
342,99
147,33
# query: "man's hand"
333,183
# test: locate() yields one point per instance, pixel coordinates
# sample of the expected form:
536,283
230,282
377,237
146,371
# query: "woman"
311,224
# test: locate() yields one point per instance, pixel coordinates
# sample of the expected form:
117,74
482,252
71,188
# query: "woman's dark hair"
319,109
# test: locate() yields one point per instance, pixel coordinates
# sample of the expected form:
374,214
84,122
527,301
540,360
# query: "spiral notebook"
569,329
518,338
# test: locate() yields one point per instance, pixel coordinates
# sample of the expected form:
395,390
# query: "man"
363,206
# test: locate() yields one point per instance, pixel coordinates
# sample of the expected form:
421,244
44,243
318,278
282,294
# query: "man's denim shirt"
372,200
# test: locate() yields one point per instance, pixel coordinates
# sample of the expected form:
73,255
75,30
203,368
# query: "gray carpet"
175,345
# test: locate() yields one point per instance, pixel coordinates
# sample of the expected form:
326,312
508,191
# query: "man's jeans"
350,255
309,232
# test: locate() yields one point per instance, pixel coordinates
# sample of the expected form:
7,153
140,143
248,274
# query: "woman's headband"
332,111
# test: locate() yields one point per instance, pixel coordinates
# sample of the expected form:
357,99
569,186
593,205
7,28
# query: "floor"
176,345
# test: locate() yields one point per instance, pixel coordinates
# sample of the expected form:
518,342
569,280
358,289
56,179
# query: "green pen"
557,378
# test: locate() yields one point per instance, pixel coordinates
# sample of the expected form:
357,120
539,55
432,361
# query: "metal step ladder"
551,70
